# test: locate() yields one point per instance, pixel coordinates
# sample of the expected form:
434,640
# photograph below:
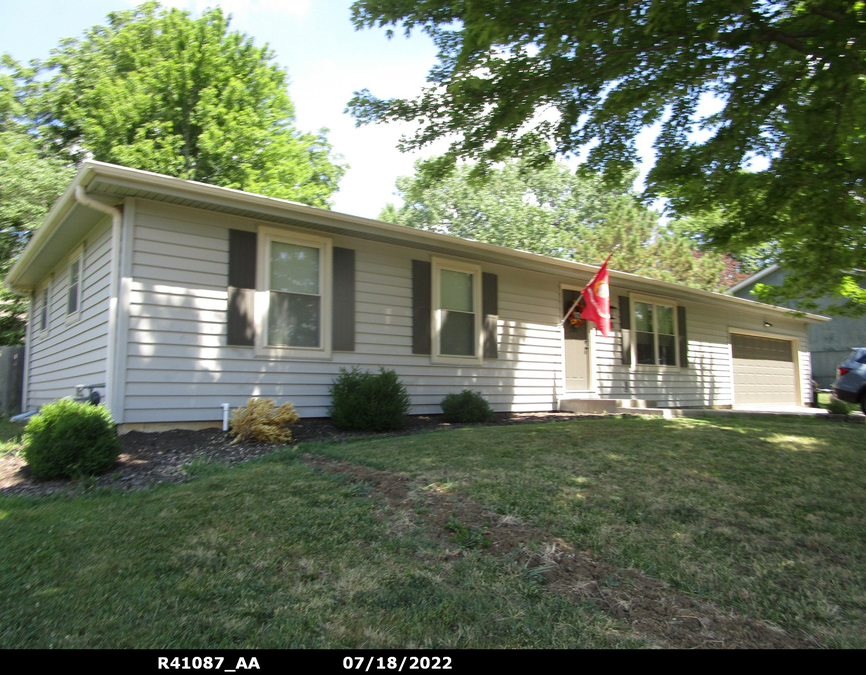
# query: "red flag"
597,298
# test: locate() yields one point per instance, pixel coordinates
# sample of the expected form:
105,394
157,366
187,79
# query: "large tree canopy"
153,89
554,212
158,90
29,184
581,75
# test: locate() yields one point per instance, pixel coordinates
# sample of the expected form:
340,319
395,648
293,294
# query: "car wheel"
863,403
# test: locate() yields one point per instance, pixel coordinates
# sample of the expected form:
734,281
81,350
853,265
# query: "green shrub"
467,407
70,440
364,401
838,407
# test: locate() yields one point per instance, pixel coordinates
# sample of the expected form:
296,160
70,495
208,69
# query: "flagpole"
574,304
610,255
571,309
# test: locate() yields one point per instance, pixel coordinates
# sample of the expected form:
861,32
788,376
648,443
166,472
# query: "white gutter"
111,356
28,349
46,230
353,226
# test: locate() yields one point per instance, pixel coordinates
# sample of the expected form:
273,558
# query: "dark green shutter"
683,337
242,288
490,309
625,329
343,306
422,302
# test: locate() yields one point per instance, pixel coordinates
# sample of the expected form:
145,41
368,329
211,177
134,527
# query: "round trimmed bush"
70,440
365,401
467,407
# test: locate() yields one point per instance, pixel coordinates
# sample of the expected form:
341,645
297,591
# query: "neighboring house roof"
757,276
68,222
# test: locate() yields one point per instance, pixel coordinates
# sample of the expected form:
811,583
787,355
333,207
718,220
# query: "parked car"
850,384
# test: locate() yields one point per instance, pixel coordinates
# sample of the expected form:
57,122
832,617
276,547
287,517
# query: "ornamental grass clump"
68,439
467,407
365,401
260,422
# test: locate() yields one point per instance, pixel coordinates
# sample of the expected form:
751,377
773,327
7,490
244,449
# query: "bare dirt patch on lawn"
667,617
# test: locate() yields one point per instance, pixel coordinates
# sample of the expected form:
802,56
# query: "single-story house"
830,343
180,297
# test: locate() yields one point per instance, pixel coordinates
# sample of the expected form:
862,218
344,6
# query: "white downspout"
28,347
111,356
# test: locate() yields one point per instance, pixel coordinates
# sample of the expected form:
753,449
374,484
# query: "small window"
293,304
295,315
457,332
655,334
457,309
73,296
43,310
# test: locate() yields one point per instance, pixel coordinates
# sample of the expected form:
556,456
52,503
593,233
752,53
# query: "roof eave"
91,170
50,224
757,276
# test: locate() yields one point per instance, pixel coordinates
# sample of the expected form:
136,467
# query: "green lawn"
764,517
269,554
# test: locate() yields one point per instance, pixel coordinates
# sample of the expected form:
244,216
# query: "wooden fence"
11,379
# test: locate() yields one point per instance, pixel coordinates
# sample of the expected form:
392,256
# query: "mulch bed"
666,617
148,458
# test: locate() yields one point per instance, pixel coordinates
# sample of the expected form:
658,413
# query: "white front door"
576,348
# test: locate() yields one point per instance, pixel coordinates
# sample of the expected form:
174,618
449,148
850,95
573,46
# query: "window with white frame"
457,309
655,333
42,310
73,295
294,302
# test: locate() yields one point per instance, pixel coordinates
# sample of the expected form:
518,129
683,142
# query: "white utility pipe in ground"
225,416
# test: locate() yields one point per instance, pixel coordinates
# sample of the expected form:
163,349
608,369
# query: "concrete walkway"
649,409
767,411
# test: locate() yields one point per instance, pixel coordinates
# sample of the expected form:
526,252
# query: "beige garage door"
764,370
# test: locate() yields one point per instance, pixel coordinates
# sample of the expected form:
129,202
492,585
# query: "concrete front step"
611,405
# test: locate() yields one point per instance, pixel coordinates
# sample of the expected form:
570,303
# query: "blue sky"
326,59
314,40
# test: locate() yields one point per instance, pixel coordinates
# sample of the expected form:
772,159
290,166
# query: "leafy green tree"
29,184
747,262
155,89
553,211
538,211
574,75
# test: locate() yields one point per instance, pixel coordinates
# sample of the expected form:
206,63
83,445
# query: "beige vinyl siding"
73,353
805,361
179,367
708,380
